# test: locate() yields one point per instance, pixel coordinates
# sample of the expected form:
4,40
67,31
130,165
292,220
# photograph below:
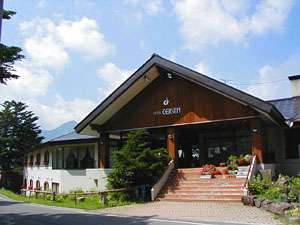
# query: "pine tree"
8,55
136,163
18,134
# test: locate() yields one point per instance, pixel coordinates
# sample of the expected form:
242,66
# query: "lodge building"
198,120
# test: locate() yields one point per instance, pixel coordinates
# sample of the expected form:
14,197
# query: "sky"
79,51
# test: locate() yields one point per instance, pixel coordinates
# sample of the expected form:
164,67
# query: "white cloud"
112,76
209,22
151,7
154,6
47,42
273,81
33,82
202,67
46,52
62,110
83,36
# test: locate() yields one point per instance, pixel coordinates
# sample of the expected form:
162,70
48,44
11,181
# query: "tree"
136,163
19,133
8,55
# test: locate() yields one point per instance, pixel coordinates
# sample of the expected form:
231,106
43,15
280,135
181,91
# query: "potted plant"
244,160
208,171
232,164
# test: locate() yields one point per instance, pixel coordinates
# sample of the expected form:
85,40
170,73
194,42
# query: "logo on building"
168,111
166,101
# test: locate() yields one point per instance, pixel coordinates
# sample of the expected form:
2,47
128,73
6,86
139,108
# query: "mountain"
65,128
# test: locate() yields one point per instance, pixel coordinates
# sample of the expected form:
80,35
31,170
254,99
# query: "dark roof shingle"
289,107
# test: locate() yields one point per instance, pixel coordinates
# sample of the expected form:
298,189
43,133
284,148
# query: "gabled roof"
289,107
191,75
72,136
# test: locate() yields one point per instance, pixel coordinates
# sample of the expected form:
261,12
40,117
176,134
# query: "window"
38,159
37,185
55,187
57,158
72,161
46,186
292,150
113,146
46,158
30,185
87,161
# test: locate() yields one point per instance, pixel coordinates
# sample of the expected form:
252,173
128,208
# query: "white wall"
295,87
68,180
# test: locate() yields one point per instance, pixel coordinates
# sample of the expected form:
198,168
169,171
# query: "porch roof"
257,104
289,107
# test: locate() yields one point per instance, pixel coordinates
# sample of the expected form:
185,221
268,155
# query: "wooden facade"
171,102
191,103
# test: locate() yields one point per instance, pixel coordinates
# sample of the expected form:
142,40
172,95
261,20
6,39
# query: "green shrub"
118,197
136,163
259,184
273,193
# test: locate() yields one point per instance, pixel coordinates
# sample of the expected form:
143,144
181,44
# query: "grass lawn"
90,203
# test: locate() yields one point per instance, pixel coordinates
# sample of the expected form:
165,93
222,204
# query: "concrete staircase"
186,185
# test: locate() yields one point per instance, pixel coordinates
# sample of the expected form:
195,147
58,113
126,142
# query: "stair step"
212,188
198,200
184,192
186,185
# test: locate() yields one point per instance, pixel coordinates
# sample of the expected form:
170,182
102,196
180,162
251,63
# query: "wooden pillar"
171,143
257,140
103,150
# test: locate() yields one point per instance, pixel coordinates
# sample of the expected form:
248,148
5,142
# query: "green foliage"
19,133
8,56
136,163
232,162
90,202
259,184
7,14
273,194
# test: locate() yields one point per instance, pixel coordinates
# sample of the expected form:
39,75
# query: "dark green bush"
136,163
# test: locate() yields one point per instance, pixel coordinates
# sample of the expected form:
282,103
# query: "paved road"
18,213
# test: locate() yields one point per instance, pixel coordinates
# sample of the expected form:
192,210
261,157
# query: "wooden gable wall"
197,104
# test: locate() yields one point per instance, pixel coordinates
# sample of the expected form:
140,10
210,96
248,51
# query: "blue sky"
78,51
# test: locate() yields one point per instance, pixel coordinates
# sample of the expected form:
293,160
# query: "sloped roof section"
72,136
262,106
289,108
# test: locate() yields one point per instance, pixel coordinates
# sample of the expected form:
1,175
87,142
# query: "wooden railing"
162,181
77,195
251,172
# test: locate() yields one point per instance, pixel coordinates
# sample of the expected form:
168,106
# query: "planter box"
208,176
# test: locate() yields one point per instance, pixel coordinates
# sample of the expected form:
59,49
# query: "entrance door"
188,149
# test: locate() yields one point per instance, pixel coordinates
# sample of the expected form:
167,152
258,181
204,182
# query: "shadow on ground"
68,219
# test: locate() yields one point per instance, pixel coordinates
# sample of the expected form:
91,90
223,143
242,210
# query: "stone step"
203,192
201,188
202,197
204,181
198,200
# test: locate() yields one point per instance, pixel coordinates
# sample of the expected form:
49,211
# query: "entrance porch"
212,143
